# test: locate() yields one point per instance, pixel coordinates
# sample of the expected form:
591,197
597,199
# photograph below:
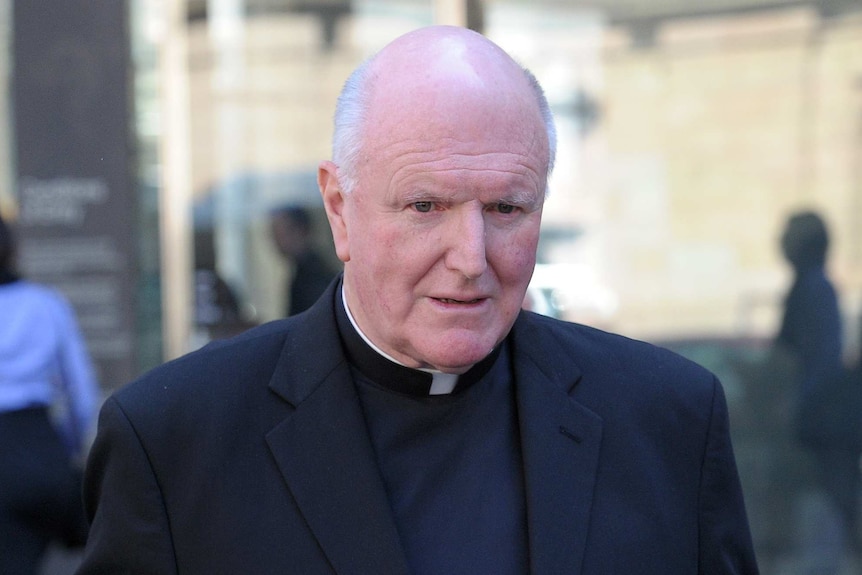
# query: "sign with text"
74,168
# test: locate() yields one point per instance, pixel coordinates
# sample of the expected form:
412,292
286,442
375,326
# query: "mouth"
458,301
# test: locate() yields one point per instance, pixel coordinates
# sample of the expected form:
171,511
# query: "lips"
458,301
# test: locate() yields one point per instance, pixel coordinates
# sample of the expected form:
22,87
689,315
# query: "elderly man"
415,420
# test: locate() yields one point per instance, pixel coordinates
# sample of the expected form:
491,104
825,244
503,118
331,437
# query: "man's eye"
505,208
423,207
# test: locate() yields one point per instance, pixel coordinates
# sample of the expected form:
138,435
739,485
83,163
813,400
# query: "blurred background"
145,143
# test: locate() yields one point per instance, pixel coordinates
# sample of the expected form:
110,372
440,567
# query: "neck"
390,373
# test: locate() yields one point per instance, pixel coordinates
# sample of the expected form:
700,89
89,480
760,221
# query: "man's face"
439,238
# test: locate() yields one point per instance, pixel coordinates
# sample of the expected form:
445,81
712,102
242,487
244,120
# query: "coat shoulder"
593,349
222,369
607,371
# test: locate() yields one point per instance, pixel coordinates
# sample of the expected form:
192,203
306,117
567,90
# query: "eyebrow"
517,197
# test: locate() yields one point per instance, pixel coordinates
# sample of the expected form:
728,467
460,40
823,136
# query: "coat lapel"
325,455
560,442
328,463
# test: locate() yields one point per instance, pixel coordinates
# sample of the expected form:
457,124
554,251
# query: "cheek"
406,253
521,268
515,258
391,263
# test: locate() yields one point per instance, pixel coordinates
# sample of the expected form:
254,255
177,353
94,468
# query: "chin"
458,358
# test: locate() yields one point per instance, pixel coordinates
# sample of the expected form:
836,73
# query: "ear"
334,203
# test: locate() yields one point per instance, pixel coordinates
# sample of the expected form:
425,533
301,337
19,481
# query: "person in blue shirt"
43,364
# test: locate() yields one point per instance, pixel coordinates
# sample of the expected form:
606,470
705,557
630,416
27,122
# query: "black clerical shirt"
451,464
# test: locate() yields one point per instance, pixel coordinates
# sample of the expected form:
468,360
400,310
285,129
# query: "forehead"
456,165
460,162
451,107
473,133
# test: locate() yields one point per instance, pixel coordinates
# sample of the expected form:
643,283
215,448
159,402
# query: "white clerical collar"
441,384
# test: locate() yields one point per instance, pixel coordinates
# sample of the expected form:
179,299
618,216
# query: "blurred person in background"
293,235
811,322
43,364
827,405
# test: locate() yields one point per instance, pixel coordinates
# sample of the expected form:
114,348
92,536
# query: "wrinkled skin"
439,237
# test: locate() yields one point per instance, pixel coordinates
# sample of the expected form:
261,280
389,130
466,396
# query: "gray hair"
351,113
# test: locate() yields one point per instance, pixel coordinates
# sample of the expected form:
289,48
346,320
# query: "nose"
466,251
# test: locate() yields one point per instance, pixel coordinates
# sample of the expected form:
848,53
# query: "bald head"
425,78
442,150
443,58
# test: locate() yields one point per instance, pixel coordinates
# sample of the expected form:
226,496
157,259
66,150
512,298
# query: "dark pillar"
74,167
